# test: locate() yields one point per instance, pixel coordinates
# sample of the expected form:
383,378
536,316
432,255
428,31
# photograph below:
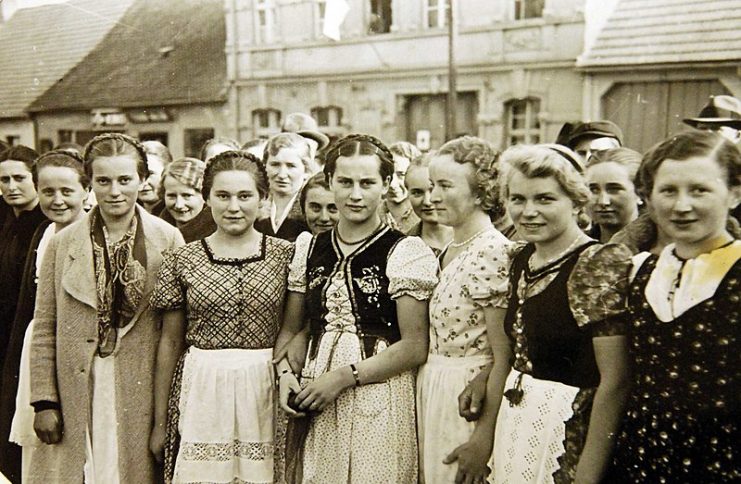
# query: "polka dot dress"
681,423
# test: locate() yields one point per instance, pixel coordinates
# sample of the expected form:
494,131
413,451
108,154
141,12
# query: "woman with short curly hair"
469,299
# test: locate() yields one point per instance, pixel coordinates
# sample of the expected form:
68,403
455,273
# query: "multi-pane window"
522,121
528,9
436,12
266,122
381,17
265,20
327,116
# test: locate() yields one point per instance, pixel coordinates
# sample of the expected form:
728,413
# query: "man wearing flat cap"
721,114
591,136
306,126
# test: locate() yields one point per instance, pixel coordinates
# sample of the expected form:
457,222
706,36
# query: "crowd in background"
305,311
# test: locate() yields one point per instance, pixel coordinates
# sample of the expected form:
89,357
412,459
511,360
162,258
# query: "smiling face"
115,182
452,193
690,200
148,191
541,210
286,171
16,185
358,187
234,202
320,209
397,190
613,201
420,194
61,195
182,201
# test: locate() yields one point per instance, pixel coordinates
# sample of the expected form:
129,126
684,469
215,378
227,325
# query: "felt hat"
720,111
305,125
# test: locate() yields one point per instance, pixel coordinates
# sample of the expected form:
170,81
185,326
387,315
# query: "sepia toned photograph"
370,241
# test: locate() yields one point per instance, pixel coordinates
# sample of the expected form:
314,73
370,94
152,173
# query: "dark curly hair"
235,160
115,144
358,145
485,159
64,159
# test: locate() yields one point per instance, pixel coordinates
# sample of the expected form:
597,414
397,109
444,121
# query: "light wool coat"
64,344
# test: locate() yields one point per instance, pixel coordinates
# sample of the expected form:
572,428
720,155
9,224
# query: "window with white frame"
329,119
436,12
528,9
320,10
265,21
522,121
266,122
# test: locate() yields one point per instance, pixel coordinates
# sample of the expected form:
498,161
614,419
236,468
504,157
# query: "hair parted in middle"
485,159
61,158
359,145
107,145
318,180
541,161
235,160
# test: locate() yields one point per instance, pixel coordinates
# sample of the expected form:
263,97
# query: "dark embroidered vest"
365,270
557,347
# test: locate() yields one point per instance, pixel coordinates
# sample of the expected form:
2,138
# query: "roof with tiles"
162,52
38,46
643,32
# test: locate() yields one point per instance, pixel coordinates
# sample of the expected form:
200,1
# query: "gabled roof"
162,52
668,31
39,45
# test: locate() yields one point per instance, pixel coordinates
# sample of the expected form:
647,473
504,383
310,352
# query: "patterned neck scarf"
119,278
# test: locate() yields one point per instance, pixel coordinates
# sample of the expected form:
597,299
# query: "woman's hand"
471,399
288,385
295,351
472,458
325,389
48,425
157,442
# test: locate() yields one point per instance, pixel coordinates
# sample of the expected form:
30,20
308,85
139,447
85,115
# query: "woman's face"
61,195
148,191
419,186
116,183
397,190
234,201
452,195
540,209
320,209
358,187
286,171
690,200
182,201
16,185
613,202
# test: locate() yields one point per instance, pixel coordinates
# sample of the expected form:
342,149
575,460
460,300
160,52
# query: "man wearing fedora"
306,126
721,114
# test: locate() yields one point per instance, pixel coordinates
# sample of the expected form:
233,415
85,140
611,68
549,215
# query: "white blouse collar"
677,285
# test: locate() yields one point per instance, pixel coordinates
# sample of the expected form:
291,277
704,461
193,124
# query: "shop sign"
149,115
102,118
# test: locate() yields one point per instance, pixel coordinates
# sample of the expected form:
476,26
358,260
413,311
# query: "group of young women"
359,353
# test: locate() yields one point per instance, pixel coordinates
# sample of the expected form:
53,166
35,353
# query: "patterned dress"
459,348
682,419
368,434
553,314
221,409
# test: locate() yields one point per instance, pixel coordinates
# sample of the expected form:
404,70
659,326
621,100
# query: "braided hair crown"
235,160
359,144
116,146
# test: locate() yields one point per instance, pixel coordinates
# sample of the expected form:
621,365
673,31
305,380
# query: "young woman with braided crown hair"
362,288
467,303
95,334
222,298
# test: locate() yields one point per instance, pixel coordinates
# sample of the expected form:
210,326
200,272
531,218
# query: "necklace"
468,240
339,237
557,256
